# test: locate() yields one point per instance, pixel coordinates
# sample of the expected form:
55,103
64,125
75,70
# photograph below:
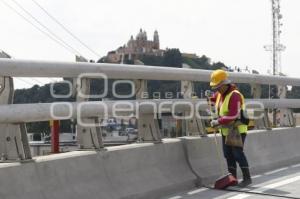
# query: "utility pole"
276,47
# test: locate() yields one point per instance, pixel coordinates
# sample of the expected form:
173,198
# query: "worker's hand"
214,123
208,93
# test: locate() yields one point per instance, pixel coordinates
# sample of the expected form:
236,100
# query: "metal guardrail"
20,113
13,139
26,68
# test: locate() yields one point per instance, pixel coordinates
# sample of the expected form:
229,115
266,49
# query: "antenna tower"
276,47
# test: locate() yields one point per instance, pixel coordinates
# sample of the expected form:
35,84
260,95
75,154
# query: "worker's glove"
214,123
208,93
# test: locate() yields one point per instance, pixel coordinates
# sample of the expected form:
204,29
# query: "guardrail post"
194,126
264,122
14,145
148,127
286,116
256,91
88,137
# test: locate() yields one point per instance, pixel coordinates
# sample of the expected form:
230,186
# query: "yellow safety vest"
223,110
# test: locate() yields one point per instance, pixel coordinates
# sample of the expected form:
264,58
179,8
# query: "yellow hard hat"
218,78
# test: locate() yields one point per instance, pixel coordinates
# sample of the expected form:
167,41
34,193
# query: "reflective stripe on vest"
223,110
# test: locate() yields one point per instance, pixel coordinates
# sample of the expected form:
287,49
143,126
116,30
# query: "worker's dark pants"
235,155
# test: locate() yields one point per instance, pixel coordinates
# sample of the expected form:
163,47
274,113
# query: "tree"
172,58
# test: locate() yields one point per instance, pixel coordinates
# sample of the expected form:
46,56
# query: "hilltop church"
136,47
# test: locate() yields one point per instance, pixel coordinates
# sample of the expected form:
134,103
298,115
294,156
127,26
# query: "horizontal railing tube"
18,113
26,68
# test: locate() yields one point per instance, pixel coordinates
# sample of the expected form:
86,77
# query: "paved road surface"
280,183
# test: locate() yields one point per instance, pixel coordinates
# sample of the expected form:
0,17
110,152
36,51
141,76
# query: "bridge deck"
280,183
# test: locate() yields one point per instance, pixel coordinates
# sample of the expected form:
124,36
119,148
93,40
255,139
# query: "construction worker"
229,102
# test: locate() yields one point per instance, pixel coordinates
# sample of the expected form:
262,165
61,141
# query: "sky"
231,31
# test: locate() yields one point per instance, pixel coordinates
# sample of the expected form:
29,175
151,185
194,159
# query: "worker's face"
222,89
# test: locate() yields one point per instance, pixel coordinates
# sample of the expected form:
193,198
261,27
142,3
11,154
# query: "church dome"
145,35
140,35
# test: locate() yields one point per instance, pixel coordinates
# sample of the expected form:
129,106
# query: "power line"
51,79
5,55
64,27
31,82
38,28
26,82
41,24
38,81
32,79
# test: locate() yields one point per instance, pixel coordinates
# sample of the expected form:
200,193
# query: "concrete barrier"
133,171
266,150
140,170
269,150
202,155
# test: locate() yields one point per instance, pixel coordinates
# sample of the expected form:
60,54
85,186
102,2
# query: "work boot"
233,172
246,178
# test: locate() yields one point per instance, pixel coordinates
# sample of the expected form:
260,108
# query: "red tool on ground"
225,181
228,179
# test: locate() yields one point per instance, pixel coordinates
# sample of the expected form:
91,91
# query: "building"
135,47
